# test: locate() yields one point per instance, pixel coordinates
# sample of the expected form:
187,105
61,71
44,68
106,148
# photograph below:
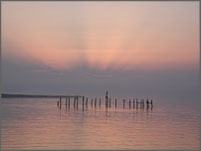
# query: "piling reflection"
74,127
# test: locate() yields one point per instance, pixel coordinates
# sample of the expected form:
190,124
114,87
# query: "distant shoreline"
6,95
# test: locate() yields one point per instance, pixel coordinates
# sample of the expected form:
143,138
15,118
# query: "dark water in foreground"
40,124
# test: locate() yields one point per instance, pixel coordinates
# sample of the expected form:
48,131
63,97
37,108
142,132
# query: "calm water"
40,124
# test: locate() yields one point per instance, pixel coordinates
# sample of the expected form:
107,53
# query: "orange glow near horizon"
128,36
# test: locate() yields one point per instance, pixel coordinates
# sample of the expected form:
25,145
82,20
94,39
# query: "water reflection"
41,124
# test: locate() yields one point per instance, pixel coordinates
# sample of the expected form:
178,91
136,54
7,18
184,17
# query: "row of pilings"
97,102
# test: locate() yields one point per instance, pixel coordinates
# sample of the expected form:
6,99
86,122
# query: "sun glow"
119,37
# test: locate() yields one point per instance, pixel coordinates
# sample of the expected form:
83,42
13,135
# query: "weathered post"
106,99
83,101
99,102
137,103
86,101
124,101
147,102
69,102
151,104
95,102
115,103
74,101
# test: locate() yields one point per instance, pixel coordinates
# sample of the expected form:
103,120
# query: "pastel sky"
61,47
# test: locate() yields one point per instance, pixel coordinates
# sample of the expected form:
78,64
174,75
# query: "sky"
145,49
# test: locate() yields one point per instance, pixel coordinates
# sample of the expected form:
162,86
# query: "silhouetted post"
115,103
124,101
77,102
106,99
133,103
57,103
99,102
137,103
95,102
69,102
83,101
147,103
91,102
129,104
86,101
151,104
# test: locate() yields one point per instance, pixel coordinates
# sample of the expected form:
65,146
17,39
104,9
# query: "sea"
40,123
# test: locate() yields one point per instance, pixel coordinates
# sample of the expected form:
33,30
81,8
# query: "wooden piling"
83,101
151,104
108,102
115,103
124,101
86,101
147,103
77,101
69,102
95,102
106,99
